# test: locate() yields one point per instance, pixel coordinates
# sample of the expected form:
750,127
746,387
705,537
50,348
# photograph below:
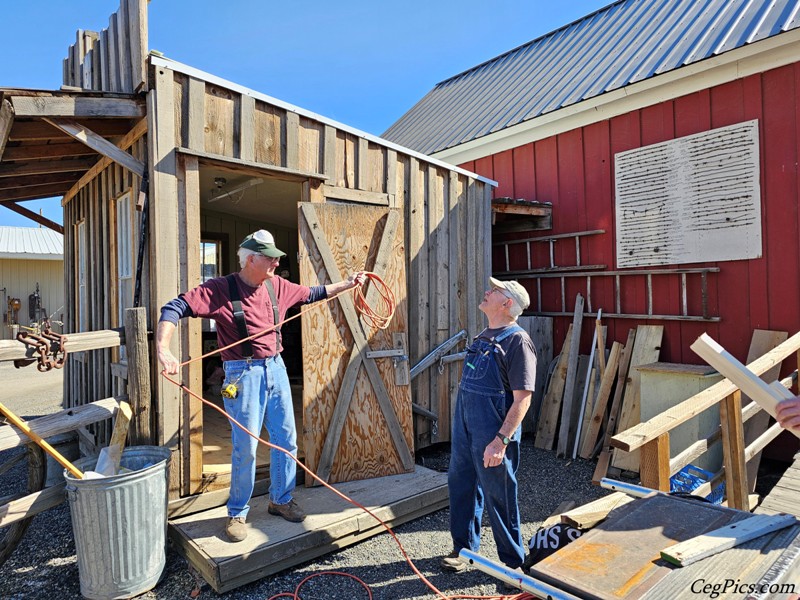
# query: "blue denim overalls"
480,410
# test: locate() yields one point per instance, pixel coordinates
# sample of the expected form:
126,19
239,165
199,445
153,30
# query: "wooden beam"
765,395
6,123
567,428
601,403
45,167
33,192
654,467
236,165
589,515
99,144
736,488
33,216
38,151
24,181
60,422
77,106
75,342
24,131
522,209
361,196
639,435
134,134
32,504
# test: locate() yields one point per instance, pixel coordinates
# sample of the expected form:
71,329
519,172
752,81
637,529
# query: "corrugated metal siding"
31,242
625,42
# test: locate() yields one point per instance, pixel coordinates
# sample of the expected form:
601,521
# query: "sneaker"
236,529
453,562
289,511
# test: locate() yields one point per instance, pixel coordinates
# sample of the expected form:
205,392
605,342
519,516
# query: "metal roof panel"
625,42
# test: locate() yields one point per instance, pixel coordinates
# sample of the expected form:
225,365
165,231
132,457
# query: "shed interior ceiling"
250,196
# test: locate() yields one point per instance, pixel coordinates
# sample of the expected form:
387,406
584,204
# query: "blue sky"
363,63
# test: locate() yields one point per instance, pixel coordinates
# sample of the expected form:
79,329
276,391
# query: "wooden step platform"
274,544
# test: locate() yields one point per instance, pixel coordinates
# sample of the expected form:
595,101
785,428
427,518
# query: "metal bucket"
120,524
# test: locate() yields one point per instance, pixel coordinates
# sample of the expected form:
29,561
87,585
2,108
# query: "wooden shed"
164,169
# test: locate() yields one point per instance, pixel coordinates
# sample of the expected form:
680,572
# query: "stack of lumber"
590,398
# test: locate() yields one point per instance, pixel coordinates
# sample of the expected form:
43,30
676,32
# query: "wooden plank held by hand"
22,426
765,395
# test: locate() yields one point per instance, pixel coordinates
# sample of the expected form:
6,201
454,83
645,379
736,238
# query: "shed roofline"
29,256
767,54
192,72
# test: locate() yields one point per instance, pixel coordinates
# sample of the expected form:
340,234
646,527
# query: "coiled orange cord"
381,322
388,304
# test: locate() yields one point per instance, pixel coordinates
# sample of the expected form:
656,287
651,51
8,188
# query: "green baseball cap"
262,242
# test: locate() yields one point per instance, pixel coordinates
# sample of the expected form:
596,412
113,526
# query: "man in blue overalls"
494,394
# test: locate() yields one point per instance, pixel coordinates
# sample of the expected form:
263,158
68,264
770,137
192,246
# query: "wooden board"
699,547
273,544
645,350
375,438
566,433
551,404
620,557
762,342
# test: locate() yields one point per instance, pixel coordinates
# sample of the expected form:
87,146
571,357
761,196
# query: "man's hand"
358,278
788,413
166,358
494,453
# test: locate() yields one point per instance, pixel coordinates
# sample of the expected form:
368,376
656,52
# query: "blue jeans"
481,407
265,398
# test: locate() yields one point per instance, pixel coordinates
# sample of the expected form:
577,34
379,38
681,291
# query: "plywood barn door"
357,420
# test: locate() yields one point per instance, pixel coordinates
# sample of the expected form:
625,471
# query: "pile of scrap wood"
590,398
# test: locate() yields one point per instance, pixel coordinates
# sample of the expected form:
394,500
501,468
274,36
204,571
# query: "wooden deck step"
273,544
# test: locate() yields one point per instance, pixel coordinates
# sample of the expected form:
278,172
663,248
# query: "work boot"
453,562
289,511
236,529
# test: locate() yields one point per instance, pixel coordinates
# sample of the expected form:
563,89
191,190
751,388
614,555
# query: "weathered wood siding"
575,171
88,374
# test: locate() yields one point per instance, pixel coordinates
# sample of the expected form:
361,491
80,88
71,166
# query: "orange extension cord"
379,321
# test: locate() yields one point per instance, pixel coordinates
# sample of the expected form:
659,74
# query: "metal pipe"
515,578
437,353
637,491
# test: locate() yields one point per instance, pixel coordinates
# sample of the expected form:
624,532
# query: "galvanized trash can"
120,524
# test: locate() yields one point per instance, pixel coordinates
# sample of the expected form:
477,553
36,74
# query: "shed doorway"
233,204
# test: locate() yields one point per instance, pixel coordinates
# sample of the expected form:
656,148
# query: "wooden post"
730,410
654,467
139,394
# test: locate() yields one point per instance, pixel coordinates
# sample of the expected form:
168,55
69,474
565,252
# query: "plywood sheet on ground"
619,559
273,544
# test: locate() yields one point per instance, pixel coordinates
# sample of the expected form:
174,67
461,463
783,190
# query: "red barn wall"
575,171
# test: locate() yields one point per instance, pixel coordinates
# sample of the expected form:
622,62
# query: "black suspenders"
239,318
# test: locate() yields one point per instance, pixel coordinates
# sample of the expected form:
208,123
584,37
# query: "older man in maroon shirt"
243,304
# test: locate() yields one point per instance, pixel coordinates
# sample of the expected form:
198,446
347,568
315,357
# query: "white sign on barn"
695,199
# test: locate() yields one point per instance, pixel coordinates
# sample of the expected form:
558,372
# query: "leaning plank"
32,504
746,380
600,405
61,422
567,428
646,350
762,342
589,515
714,542
551,404
99,144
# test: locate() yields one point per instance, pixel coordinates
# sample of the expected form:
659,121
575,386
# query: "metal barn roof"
31,243
623,43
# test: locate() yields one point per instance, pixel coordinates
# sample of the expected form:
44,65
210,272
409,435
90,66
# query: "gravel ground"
45,565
